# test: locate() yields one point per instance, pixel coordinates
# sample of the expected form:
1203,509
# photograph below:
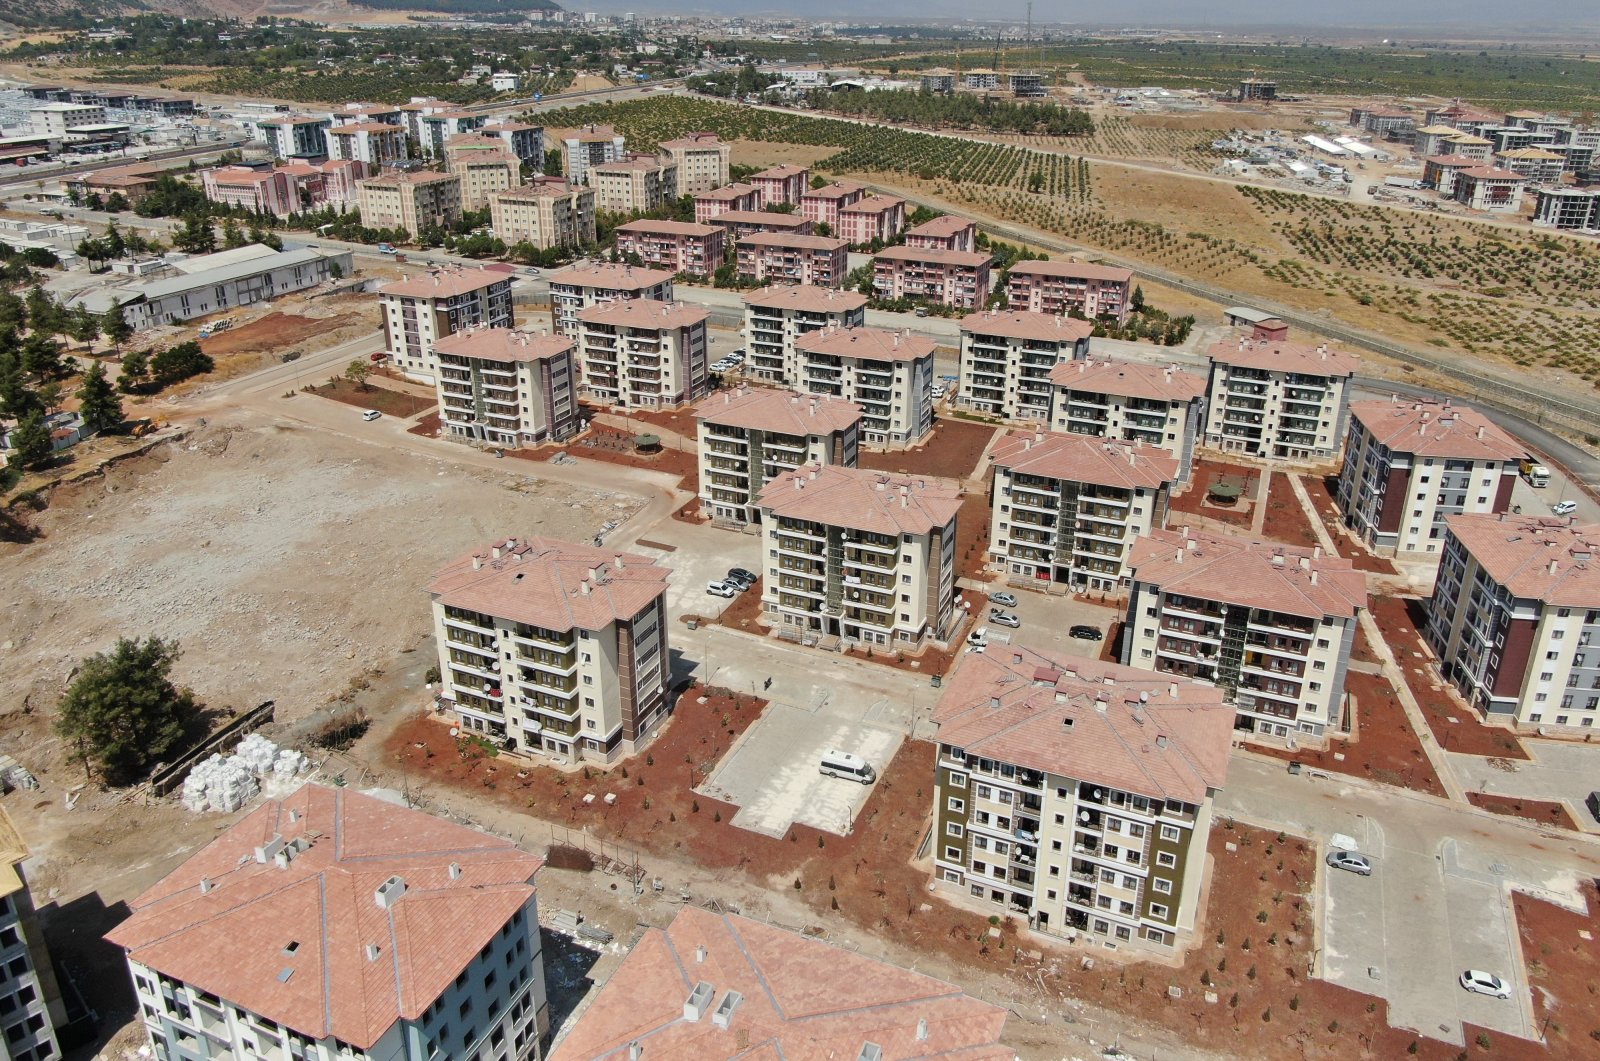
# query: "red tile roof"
784,412
1536,557
503,344
805,297
1025,324
1265,575
769,218
943,227
549,583
1081,459
800,1000
941,255
727,192
1284,356
1430,429
648,226
873,204
875,502
1490,173
791,240
1073,271
1129,380
786,170
225,920
645,313
443,283
873,344
1103,723
836,190
611,276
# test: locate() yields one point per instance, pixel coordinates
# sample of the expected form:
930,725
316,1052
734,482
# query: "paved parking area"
699,555
1558,771
1046,620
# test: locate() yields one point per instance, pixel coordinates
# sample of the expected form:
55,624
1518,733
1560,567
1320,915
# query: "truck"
1536,473
386,248
1402,182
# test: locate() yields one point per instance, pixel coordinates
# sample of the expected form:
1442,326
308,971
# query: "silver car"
1353,861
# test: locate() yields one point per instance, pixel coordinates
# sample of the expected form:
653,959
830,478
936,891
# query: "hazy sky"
1373,13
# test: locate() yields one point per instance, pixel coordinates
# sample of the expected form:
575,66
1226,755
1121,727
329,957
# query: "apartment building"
1064,287
32,1012
328,183
1489,188
640,353
578,287
593,146
1278,399
959,279
889,374
782,185
547,212
702,160
264,191
66,121
749,436
1515,619
1409,465
945,233
713,201
335,926
374,143
757,984
675,246
738,224
296,136
524,140
1150,405
775,317
862,556
1007,357
375,113
409,200
634,184
821,206
554,649
507,388
1271,625
440,127
484,166
1572,209
780,258
1440,172
875,217
1066,509
421,310
1537,164
1077,794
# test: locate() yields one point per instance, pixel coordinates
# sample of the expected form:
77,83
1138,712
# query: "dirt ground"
1539,811
952,451
255,344
1285,520
1320,489
1206,473
386,400
615,446
1563,967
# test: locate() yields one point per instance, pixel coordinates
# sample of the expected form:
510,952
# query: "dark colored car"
1087,633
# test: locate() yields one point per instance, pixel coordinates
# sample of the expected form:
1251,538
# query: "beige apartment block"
420,310
507,388
775,317
1007,357
374,143
958,279
747,437
702,162
675,246
1065,510
1064,287
578,287
782,258
1409,465
592,146
485,166
640,353
634,184
34,1007
861,556
1078,795
889,374
550,648
411,201
547,213
1271,625
1278,399
1152,405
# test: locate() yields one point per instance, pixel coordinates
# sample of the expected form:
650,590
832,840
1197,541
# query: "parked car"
1353,861
1562,508
748,576
978,639
721,589
1481,983
738,580
1000,618
1594,805
1005,600
371,414
1086,633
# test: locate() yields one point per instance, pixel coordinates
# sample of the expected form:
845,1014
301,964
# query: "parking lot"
1558,771
1046,620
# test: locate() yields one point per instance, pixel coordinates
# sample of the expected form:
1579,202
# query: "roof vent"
373,950
455,871
870,1052
922,1029
1066,723
1161,740
389,892
635,1050
269,850
206,884
700,955
699,1000
724,1014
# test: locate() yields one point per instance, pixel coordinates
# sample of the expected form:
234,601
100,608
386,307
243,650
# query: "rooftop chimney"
455,871
206,884
389,892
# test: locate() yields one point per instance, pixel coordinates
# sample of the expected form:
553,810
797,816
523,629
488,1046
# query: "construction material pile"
226,784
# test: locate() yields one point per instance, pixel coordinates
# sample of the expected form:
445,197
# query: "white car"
371,414
1563,508
1481,983
721,589
1353,861
1005,600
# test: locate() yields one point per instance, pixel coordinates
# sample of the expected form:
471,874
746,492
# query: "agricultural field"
1497,78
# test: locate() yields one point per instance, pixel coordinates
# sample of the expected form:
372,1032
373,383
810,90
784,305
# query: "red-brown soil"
1563,966
1540,811
615,446
1205,474
972,536
386,401
1286,520
1320,490
952,450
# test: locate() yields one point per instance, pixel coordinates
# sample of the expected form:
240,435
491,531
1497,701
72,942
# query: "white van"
978,639
843,764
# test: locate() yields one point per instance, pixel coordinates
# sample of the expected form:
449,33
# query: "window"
956,805
1158,911
1166,859
977,890
982,791
958,780
1162,885
1129,882
1170,833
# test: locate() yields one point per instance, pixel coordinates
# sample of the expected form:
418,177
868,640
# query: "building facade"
702,160
958,279
675,246
268,191
1271,625
1062,288
548,212
861,556
578,287
1573,209
593,146
889,374
296,136
1278,399
267,943
1007,357
32,1011
821,206
874,217
640,353
747,437
507,388
1066,509
411,201
241,277
781,258
421,310
782,185
523,140
635,184
1490,189
741,223
1515,619
556,649
775,317
1144,404
1077,794
375,144
1410,465
947,233
713,201
484,165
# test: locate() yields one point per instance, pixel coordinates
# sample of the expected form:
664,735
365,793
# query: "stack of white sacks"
226,784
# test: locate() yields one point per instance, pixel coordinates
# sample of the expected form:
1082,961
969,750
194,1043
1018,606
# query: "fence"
170,777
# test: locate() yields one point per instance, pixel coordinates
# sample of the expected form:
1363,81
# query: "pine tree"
135,372
84,326
30,442
98,403
196,236
41,357
43,313
16,399
122,714
115,327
